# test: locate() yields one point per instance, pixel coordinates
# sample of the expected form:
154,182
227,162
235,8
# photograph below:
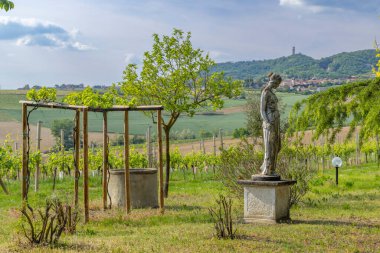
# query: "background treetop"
177,76
6,5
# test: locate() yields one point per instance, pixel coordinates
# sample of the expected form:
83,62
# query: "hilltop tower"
293,50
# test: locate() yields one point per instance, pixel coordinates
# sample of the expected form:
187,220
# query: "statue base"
266,201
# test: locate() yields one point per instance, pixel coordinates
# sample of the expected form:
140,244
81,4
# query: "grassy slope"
10,109
332,219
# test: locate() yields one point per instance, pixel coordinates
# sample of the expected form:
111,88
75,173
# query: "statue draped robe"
271,131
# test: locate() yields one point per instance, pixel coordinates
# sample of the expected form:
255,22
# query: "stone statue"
266,195
271,126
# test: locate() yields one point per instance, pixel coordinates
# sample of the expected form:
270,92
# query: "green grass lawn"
344,218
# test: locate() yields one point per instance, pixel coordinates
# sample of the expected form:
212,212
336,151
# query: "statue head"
274,80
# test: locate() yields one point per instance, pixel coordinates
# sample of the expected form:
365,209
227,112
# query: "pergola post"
85,164
24,151
85,109
105,160
159,140
126,163
76,157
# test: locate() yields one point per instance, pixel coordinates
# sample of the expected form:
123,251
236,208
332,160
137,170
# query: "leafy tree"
376,69
67,125
254,120
179,77
330,110
6,5
240,132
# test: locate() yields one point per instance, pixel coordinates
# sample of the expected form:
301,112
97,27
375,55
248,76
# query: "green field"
331,218
10,109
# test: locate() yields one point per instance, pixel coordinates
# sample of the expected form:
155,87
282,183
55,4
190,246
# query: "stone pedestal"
144,188
266,201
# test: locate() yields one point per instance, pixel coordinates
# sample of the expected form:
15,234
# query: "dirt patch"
197,146
234,109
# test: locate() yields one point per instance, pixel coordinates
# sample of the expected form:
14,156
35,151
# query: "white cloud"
34,32
217,56
302,4
131,58
292,2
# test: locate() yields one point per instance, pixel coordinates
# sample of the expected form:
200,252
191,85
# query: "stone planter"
143,186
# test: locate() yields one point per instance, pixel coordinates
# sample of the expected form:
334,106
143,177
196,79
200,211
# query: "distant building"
293,50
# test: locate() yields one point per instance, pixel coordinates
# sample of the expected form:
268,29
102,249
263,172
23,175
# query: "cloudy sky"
45,42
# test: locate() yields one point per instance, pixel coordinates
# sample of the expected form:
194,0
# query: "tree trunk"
3,186
167,168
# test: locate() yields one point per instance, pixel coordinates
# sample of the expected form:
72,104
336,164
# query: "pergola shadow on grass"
84,110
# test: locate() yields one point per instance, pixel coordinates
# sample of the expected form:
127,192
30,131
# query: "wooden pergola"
85,110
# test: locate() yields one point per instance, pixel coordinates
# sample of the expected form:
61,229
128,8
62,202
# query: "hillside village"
313,85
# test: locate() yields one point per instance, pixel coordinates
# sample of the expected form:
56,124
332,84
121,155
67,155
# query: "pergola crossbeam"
115,108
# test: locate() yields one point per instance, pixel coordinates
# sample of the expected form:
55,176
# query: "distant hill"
299,66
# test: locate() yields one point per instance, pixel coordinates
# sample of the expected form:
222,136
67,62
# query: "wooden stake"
149,147
37,173
77,147
323,156
214,142
126,163
357,149
24,151
85,164
221,138
105,160
160,164
63,149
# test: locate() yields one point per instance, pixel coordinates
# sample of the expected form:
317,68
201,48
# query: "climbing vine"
92,98
43,95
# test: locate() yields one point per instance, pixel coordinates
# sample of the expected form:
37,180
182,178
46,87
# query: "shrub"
47,226
222,218
242,161
136,139
293,163
205,134
185,134
238,162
